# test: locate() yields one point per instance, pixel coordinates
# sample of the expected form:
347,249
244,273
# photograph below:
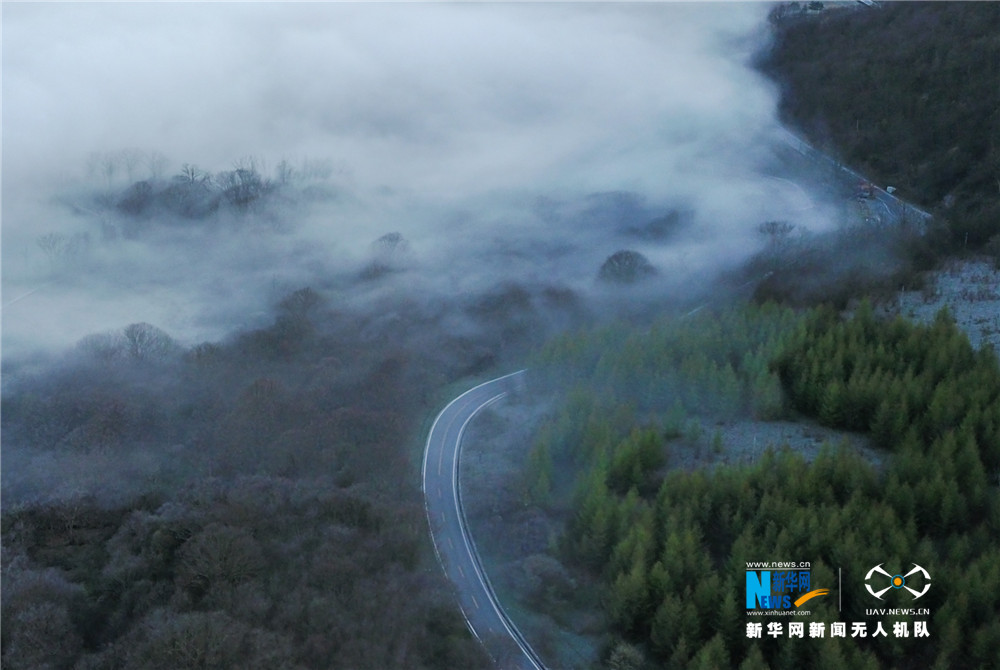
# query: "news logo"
899,581
787,588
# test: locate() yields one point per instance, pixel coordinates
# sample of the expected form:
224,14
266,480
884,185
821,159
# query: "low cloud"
505,143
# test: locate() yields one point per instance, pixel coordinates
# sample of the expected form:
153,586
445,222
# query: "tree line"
669,547
906,93
253,511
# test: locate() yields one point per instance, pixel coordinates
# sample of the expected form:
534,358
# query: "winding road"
897,211
454,546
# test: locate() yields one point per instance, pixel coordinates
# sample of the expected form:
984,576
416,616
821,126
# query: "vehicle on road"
865,190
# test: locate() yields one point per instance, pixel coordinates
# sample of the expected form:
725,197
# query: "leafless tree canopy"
626,267
144,341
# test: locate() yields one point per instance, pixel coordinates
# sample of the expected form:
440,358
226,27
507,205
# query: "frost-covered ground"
970,290
549,602
515,537
744,441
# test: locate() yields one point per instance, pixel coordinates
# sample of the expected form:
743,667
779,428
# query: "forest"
251,501
907,94
668,545
256,505
660,516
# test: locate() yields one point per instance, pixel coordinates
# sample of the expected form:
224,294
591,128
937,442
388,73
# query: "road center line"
444,436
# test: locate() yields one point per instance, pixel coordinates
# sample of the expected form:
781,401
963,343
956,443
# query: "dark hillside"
249,503
908,93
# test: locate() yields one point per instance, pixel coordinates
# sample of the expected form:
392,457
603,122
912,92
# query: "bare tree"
776,231
390,244
145,341
108,165
188,640
57,246
38,631
42,636
389,253
130,159
219,555
284,172
192,174
626,267
53,244
300,303
244,185
103,347
156,163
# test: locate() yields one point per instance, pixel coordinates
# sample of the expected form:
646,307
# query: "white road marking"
458,407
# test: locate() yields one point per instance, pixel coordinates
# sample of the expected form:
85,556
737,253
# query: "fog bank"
505,143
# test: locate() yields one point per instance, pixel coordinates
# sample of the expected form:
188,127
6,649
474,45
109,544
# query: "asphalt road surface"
888,209
455,548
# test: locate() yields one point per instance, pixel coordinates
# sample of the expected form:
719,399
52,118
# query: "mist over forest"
504,143
250,249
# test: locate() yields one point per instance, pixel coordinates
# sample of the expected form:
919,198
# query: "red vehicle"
866,190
